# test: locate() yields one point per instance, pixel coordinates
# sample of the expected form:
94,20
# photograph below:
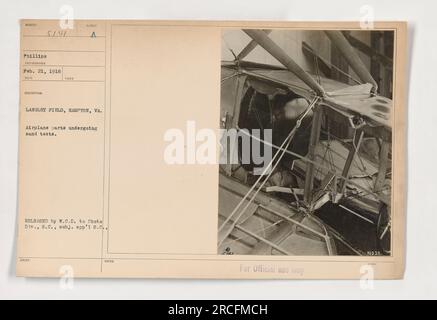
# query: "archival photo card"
212,149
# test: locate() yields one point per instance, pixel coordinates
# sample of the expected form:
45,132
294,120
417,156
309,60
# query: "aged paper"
121,168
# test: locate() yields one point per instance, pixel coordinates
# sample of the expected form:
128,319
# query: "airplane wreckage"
313,172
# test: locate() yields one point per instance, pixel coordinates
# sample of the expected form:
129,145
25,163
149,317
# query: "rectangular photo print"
306,142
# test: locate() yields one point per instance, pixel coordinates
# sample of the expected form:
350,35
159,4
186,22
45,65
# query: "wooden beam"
375,66
235,119
383,163
350,158
314,139
350,54
279,54
292,221
249,48
324,184
259,238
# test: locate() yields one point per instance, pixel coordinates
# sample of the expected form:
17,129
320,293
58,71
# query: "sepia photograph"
306,142
227,160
